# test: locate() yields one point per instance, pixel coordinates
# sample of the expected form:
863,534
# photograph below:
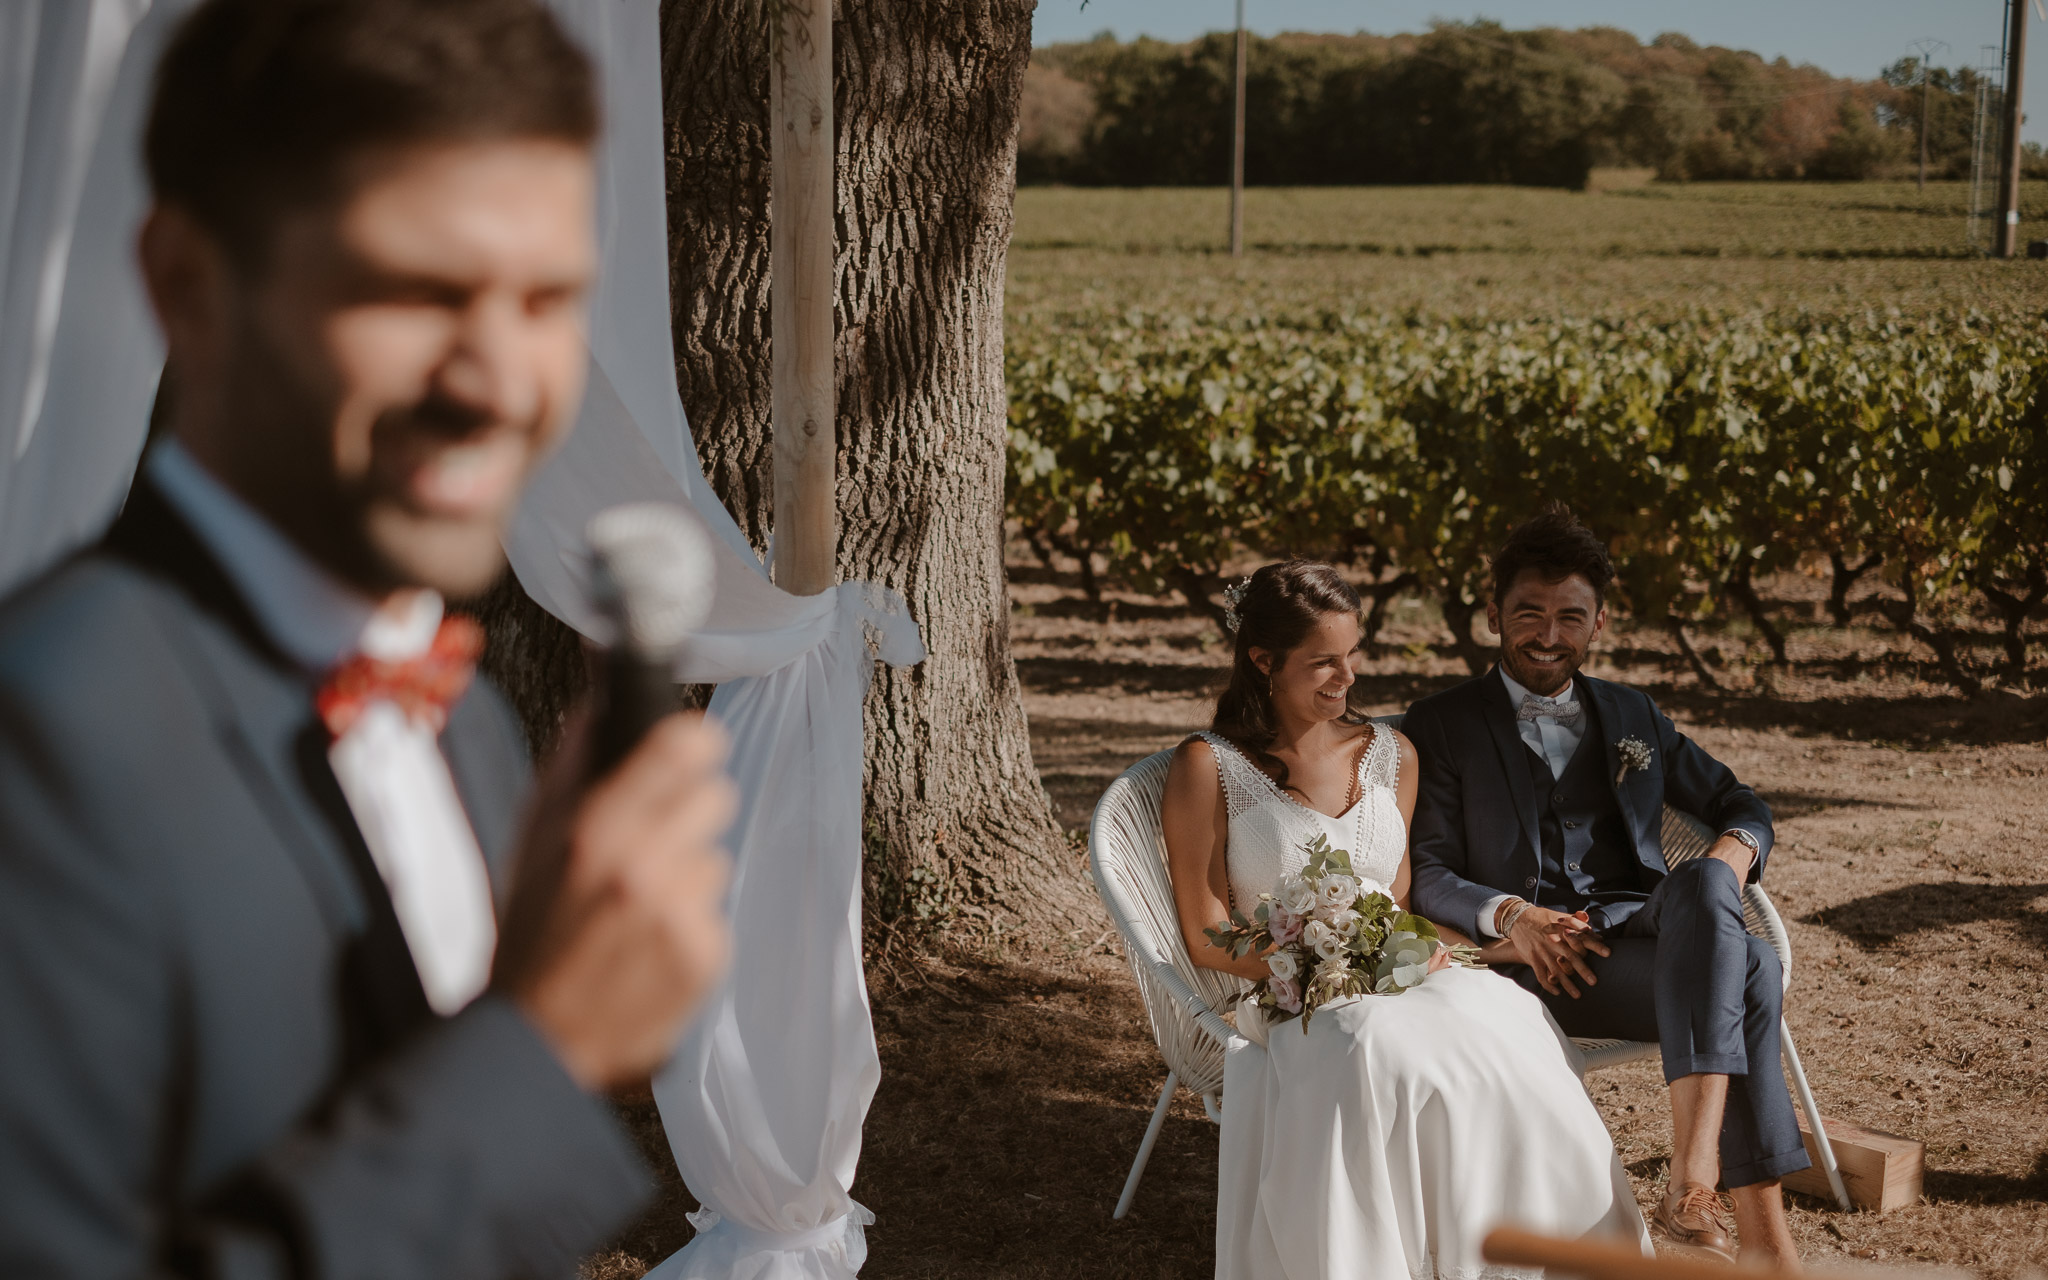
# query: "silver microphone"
652,579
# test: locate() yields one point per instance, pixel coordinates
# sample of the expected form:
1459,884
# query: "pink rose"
1286,994
1284,925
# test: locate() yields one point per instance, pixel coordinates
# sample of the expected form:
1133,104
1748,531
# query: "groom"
1538,824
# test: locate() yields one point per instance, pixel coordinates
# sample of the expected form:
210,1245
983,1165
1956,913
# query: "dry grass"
1016,1085
1511,253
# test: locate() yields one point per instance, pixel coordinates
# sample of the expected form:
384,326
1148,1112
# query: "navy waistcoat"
1586,858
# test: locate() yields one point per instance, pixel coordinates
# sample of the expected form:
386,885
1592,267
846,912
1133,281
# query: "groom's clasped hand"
1554,945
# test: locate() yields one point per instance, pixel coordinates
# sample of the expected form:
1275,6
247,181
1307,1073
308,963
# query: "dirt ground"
1016,1082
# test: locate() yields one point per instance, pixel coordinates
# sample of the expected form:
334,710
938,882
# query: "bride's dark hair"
1281,604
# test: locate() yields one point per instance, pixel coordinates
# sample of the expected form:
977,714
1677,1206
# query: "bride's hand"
1442,958
1499,951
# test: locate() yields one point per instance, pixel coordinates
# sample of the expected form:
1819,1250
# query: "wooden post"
2006,231
803,193
1237,145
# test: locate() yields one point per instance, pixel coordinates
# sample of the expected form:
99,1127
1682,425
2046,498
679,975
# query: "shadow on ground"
1052,1073
1988,1188
1943,720
1883,918
1803,804
1012,1100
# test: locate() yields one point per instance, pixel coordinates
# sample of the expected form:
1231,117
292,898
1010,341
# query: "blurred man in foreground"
257,825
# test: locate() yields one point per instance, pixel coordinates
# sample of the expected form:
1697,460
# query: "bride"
1393,1134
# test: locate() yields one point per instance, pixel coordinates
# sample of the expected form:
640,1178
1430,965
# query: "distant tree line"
1473,103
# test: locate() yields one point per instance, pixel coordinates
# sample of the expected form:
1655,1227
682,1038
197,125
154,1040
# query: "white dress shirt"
390,766
1554,742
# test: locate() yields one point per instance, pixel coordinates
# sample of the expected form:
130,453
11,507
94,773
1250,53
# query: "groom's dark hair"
1555,545
261,106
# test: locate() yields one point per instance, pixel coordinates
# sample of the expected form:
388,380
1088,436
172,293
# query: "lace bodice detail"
1268,826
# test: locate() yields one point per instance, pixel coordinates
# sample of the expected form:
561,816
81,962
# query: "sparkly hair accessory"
1233,595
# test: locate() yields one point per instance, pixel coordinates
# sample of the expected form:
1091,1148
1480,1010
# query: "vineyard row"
1710,452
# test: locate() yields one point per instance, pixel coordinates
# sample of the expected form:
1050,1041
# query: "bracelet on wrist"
1509,912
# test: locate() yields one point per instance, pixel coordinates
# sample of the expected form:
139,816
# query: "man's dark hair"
261,105
1555,545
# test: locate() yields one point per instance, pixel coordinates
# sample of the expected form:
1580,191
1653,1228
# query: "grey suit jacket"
1475,831
215,1055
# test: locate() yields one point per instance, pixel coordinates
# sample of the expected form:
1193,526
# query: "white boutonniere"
1635,757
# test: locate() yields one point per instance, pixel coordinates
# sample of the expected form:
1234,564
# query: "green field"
1727,380
1513,252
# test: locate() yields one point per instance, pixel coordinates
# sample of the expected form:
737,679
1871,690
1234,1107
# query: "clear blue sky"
1846,37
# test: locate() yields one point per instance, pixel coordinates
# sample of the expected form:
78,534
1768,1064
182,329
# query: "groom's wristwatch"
1755,846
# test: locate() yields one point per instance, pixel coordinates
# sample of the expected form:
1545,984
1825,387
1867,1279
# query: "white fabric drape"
79,353
764,1101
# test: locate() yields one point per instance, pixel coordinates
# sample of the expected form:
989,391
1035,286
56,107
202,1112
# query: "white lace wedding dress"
1391,1137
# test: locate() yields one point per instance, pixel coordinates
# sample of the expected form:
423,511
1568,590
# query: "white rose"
1337,891
1322,939
1297,895
1345,923
1282,963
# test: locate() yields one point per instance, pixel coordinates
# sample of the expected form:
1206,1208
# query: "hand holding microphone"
616,928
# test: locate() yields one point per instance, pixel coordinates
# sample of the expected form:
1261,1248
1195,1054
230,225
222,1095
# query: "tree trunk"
2015,603
1905,615
1459,613
1845,576
536,659
1742,586
926,101
1693,657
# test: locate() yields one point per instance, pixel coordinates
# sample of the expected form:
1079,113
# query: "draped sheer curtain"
764,1101
79,353
763,1104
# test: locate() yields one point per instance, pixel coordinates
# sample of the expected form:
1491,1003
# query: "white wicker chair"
1127,852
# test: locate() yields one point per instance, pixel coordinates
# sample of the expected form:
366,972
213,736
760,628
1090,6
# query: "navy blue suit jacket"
215,1055
1475,833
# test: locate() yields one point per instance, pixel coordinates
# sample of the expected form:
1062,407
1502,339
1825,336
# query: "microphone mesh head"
653,574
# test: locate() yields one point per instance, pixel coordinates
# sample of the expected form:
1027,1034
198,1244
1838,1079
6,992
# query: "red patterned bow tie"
424,688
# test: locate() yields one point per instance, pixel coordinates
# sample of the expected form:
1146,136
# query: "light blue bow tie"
1562,710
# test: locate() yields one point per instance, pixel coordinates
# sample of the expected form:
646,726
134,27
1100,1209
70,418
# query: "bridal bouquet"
1331,936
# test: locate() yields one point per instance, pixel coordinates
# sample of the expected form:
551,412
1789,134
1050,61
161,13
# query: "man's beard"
282,446
1538,678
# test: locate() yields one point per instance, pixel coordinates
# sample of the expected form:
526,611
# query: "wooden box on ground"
1881,1170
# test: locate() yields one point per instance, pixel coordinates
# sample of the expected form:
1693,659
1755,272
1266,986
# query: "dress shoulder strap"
1243,785
1382,763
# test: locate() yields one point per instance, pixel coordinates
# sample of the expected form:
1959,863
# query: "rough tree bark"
926,99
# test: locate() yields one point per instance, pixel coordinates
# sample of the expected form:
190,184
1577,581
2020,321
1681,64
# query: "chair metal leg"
1123,1204
1812,1110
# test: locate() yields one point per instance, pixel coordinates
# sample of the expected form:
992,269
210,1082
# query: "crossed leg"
1686,974
1698,1105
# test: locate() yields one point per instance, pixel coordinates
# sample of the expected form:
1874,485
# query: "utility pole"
2006,231
1237,148
803,412
1925,47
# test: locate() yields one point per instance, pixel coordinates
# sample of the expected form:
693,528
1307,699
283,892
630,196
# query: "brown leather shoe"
1691,1215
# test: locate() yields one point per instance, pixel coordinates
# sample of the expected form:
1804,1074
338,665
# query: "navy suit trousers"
1685,973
